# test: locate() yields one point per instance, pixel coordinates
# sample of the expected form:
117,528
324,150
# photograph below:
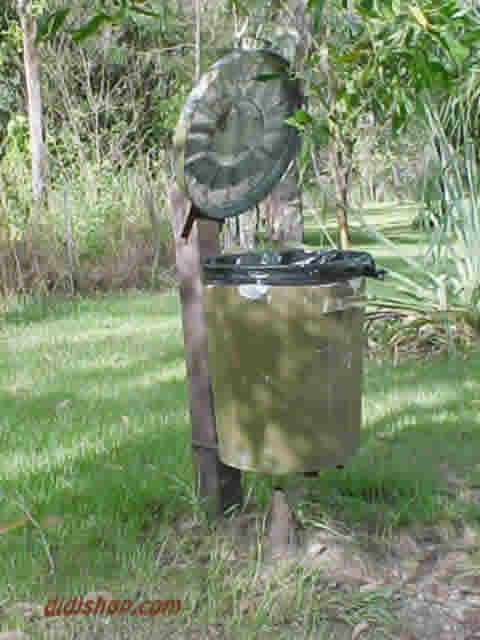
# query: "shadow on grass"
398,234
116,457
108,471
39,309
98,396
53,308
427,430
105,447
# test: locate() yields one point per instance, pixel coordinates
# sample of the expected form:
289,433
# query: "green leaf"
471,37
266,77
300,120
145,12
457,50
241,8
315,5
59,18
366,7
293,123
419,16
315,8
302,117
321,132
93,26
47,26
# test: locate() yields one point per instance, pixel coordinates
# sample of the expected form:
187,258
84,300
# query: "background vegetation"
96,481
114,76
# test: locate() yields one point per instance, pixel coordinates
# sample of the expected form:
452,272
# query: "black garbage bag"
290,267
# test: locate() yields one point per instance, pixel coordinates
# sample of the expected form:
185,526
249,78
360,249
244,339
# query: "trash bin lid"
232,143
290,267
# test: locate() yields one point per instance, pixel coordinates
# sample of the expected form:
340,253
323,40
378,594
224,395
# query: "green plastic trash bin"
285,345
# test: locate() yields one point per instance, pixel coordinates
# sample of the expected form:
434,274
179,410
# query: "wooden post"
217,484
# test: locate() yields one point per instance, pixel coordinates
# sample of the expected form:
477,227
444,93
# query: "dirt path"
434,575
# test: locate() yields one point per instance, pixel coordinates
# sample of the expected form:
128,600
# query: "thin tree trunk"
247,229
287,210
157,234
340,157
396,181
31,59
340,196
340,168
70,250
230,237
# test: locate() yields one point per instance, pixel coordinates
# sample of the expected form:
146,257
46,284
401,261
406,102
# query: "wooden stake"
282,525
216,484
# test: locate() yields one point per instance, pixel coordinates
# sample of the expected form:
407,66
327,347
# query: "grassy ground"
96,482
395,222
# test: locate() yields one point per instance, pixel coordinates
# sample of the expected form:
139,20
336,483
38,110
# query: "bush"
99,228
444,293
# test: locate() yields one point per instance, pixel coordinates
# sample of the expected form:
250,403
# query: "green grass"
395,222
94,431
422,423
93,428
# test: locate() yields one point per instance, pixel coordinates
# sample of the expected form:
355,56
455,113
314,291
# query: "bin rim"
290,267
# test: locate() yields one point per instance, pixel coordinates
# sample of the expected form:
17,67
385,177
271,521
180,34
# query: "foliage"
444,293
455,244
115,222
411,49
386,54
11,67
115,75
373,62
95,448
110,106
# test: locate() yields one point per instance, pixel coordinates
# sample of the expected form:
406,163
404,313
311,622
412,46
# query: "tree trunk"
396,180
149,201
287,211
31,59
70,254
230,234
240,232
340,153
218,485
248,223
341,163
285,202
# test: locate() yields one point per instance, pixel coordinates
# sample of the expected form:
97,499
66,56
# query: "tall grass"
100,227
455,242
441,287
